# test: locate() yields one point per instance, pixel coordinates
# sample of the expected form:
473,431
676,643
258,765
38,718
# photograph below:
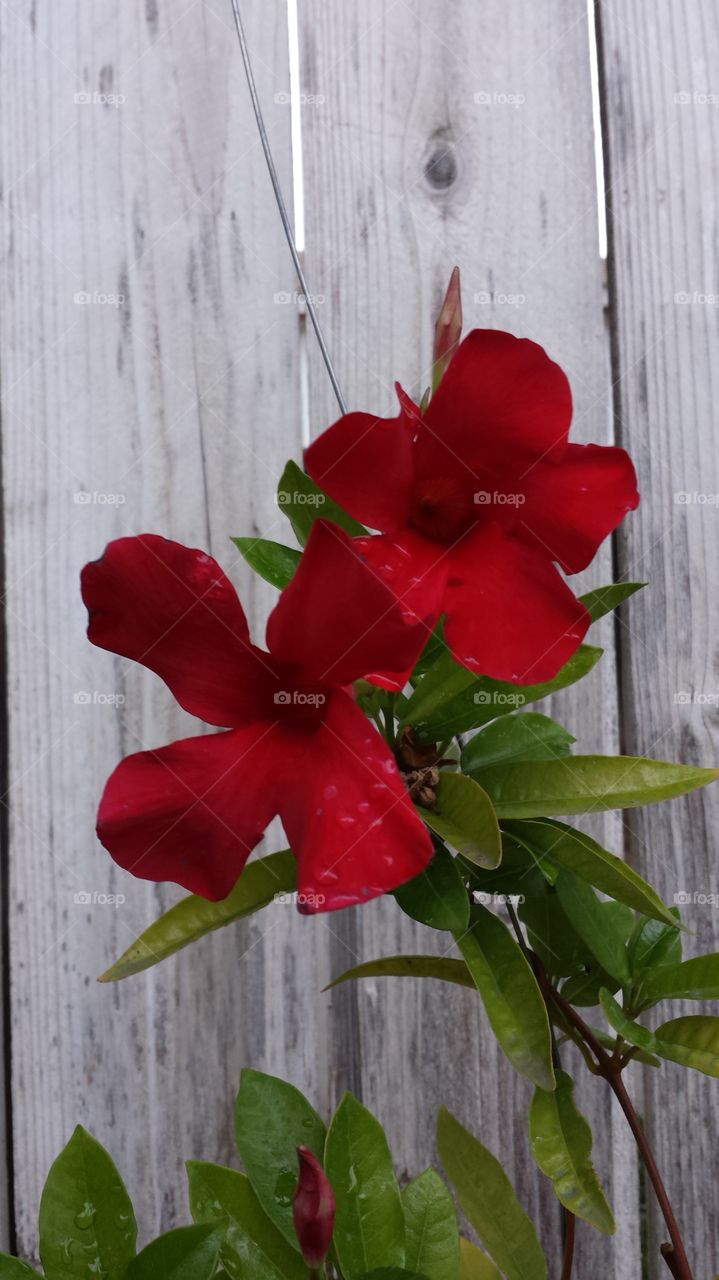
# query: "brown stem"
570,1223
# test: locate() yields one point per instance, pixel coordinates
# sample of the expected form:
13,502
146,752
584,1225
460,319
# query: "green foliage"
303,502
87,1223
274,562
466,820
437,897
431,1230
442,968
369,1227
528,736
605,599
561,1144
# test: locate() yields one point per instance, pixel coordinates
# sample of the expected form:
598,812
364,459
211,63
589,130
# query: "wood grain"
659,65
436,135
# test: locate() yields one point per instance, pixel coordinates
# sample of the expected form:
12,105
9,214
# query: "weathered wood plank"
174,410
659,71
436,135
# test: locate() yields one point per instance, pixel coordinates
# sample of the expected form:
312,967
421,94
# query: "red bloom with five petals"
477,502
296,744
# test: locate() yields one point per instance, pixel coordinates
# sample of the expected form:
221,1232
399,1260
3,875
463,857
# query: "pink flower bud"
313,1209
448,329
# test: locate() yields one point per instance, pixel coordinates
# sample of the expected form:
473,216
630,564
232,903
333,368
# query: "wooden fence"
156,374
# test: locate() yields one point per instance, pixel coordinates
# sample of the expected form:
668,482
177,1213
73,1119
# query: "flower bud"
448,329
313,1209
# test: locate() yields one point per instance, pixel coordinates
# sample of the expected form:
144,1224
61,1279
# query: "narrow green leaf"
653,944
193,917
587,784
488,1200
450,699
188,1253
551,935
369,1226
273,1119
431,1230
87,1223
602,931
444,970
691,1041
14,1269
530,736
251,1247
577,852
696,979
303,502
604,599
511,997
475,1265
464,817
274,562
437,897
561,1144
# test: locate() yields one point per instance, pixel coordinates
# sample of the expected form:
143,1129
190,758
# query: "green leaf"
273,1119
303,502
274,562
14,1269
551,935
605,599
511,997
475,1265
450,699
369,1226
439,967
87,1223
603,932
653,944
488,1200
519,737
188,1253
431,1231
577,852
437,896
561,1144
251,1247
587,784
193,917
692,1041
696,979
465,819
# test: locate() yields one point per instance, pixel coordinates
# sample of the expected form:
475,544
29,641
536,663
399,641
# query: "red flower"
297,744
313,1209
476,501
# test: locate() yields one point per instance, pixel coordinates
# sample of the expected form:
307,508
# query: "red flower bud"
313,1209
448,329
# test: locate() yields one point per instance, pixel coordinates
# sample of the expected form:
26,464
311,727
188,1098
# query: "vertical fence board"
659,71
435,135
181,399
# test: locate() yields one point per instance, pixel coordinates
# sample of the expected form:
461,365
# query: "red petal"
510,615
572,506
172,609
365,464
192,812
416,570
348,815
501,401
337,619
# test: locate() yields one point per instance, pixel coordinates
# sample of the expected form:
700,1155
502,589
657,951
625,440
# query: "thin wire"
244,50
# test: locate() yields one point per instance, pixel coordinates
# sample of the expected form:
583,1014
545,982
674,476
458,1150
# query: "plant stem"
570,1226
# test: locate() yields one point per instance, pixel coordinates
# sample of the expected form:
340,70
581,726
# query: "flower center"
443,508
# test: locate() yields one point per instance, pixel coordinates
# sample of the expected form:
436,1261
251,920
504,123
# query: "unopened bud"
313,1208
448,329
